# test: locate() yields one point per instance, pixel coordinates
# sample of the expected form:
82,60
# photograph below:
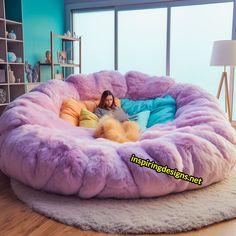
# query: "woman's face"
108,101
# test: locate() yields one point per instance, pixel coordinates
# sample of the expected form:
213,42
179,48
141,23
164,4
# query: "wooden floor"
16,219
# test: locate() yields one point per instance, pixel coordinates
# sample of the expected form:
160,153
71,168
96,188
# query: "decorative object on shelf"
75,35
12,78
1,60
6,34
68,34
11,35
58,75
35,73
19,60
32,74
29,72
3,96
18,80
61,57
11,57
48,56
2,76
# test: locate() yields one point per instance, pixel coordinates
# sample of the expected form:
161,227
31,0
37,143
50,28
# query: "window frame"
124,5
92,5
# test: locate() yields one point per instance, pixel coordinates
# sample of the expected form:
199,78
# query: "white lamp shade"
224,53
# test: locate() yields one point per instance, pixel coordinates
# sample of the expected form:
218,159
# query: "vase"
11,35
18,59
11,57
12,78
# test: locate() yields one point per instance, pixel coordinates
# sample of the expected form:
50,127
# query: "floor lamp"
224,54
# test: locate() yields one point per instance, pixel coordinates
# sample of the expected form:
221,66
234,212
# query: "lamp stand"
227,103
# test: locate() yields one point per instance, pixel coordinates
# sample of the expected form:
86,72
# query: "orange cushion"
70,111
90,105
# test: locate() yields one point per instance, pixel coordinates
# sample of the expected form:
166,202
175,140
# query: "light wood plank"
16,218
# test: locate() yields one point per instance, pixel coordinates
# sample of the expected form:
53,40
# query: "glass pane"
142,41
97,30
193,31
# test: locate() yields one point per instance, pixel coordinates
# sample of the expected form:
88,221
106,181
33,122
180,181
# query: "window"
142,41
97,31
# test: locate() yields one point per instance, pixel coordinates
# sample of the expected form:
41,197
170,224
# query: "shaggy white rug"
168,214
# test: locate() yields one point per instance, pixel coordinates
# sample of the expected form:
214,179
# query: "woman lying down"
114,123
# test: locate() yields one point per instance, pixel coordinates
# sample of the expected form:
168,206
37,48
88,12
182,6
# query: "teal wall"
39,18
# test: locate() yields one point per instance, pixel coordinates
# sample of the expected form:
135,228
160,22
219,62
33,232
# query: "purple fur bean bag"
45,152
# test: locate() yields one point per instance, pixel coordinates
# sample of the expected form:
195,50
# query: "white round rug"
168,214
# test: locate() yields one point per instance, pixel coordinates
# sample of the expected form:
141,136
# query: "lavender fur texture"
45,152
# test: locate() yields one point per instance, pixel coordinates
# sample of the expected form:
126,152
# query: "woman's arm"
98,113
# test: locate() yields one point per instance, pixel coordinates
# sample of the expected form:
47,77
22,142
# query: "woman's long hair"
103,98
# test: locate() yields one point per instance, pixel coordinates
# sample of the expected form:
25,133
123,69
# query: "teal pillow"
162,108
142,119
163,111
132,107
162,115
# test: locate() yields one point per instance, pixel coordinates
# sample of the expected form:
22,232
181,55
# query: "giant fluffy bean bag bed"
43,151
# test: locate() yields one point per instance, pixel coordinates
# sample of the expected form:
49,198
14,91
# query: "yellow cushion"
70,111
88,119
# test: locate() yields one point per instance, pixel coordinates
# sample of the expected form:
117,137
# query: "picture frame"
61,57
